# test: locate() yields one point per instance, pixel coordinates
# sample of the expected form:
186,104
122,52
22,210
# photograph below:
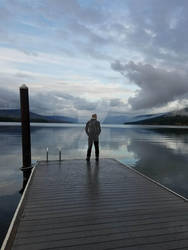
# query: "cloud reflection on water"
158,153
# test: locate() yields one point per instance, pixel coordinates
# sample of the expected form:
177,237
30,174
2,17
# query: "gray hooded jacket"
93,129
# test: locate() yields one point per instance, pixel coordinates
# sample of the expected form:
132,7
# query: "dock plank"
73,204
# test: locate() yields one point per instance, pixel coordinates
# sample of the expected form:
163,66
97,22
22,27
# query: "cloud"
73,10
8,99
157,86
55,102
58,103
48,102
67,46
153,29
116,102
159,25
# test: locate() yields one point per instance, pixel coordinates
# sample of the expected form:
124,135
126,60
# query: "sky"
79,57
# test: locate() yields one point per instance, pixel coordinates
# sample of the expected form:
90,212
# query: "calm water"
161,153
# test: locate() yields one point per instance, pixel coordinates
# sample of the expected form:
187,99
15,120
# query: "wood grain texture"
104,205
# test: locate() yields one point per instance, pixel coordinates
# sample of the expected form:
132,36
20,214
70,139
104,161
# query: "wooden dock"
75,205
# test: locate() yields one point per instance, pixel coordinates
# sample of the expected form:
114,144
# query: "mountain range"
127,118
178,118
13,115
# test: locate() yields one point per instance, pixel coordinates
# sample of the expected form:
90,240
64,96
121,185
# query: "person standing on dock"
93,129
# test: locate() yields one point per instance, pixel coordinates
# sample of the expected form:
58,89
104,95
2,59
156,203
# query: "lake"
159,152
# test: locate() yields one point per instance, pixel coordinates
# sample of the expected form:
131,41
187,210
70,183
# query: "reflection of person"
93,179
93,129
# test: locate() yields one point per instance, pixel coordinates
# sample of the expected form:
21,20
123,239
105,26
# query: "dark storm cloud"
157,86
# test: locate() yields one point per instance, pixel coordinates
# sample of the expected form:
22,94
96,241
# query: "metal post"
26,140
47,154
59,154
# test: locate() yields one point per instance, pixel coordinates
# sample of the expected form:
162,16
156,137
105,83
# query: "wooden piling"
26,137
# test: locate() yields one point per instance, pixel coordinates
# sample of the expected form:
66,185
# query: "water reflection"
163,157
8,204
158,153
161,154
93,179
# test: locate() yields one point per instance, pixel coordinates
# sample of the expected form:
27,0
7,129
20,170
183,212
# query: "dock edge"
8,240
151,180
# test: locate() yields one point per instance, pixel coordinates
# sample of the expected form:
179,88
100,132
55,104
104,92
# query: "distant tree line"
178,120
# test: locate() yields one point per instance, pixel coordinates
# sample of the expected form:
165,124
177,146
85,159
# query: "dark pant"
90,144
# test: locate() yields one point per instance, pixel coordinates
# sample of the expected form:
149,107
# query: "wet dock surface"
73,204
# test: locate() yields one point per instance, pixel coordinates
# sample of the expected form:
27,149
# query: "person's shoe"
87,159
97,158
